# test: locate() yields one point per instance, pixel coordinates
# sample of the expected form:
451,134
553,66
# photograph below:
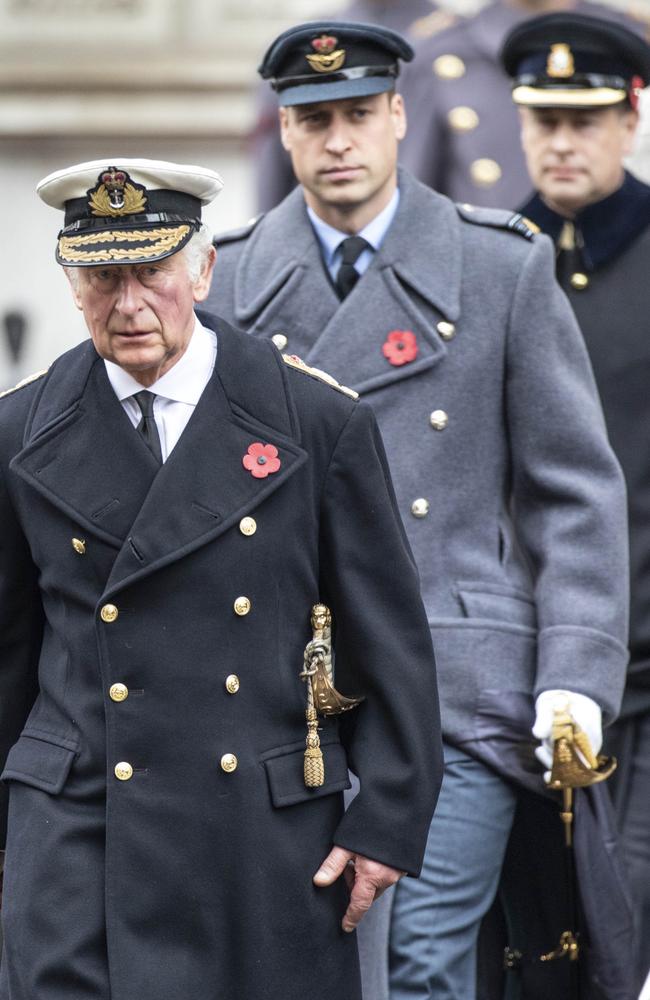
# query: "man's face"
575,157
141,316
344,153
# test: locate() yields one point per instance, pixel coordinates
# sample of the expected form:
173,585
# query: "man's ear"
74,288
201,287
283,114
630,125
398,111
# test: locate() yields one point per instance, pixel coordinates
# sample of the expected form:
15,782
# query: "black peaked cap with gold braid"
571,60
127,211
333,60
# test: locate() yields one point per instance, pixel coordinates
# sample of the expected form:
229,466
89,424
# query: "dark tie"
348,275
147,426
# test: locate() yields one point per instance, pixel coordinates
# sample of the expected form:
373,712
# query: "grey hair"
196,253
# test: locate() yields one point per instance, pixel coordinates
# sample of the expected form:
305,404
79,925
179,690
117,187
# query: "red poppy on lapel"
261,460
400,347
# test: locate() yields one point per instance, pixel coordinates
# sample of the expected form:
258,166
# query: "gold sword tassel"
322,696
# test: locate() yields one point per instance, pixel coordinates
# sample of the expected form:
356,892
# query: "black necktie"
147,426
348,275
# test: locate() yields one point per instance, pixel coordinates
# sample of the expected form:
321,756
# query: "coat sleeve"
382,650
21,631
569,505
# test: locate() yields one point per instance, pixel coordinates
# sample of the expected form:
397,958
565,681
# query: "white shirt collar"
184,382
330,238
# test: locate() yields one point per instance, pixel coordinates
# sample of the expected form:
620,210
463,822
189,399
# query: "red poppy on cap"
261,460
637,84
400,347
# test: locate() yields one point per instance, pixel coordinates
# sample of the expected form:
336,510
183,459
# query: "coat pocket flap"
285,773
38,763
514,607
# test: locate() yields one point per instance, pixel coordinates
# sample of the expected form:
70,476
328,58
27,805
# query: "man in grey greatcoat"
175,497
449,322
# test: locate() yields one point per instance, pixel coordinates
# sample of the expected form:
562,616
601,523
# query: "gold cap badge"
115,194
328,58
560,64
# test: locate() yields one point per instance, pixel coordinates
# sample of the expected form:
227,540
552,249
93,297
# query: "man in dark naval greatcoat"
576,82
175,497
449,321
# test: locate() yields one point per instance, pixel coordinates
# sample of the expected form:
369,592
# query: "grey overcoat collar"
413,283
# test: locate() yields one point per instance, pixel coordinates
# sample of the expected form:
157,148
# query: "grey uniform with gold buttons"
162,840
493,412
463,137
511,497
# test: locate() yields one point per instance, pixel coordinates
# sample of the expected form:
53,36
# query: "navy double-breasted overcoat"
192,878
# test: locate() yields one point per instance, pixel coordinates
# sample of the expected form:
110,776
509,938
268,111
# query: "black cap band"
183,207
353,73
130,222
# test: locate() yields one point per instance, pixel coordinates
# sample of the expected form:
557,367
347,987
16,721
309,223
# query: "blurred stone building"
83,79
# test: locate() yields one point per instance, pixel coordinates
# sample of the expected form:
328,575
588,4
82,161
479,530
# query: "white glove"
584,710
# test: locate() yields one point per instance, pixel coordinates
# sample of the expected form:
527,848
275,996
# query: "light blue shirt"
330,238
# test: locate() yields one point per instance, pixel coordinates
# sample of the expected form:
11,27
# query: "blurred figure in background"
274,177
576,82
463,138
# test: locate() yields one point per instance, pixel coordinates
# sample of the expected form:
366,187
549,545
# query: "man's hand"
366,881
584,710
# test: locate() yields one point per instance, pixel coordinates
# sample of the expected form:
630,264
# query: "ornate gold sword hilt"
575,765
322,696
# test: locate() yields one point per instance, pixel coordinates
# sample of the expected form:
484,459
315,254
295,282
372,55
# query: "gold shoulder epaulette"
24,381
295,362
432,24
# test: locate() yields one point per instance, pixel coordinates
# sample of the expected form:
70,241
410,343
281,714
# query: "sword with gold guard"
575,765
322,696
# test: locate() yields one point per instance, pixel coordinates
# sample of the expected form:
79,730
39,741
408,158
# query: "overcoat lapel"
203,488
281,282
281,286
91,463
83,453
